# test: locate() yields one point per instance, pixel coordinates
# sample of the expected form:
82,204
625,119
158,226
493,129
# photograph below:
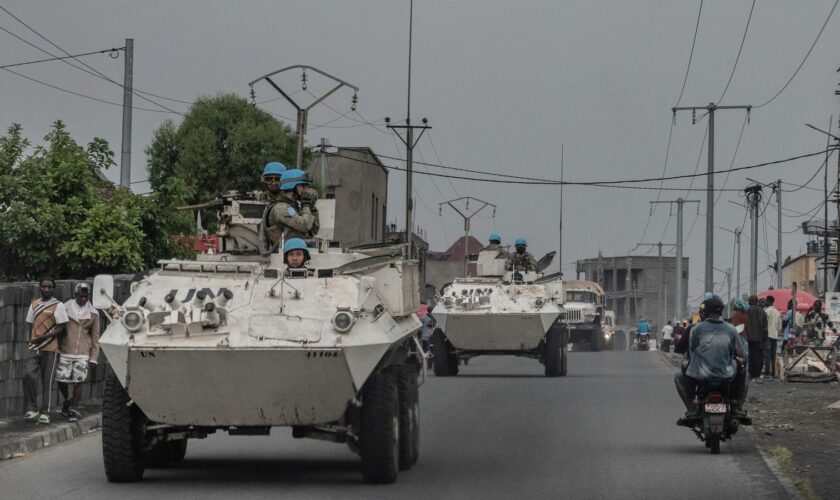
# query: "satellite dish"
545,261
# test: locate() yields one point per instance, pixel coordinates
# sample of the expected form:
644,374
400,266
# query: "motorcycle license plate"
715,408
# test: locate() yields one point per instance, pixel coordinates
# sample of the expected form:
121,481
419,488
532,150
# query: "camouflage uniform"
286,220
497,247
521,262
268,196
309,197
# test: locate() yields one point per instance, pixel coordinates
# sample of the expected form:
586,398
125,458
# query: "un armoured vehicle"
238,342
500,313
584,306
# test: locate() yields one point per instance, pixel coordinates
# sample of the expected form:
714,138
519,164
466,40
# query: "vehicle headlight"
539,302
342,321
133,321
447,302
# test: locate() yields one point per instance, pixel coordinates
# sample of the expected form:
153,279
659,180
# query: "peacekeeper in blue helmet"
295,253
496,244
291,217
521,259
271,179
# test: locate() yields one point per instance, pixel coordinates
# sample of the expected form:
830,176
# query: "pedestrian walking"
78,349
774,326
756,336
792,323
47,316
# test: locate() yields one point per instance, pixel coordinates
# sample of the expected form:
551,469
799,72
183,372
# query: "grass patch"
785,459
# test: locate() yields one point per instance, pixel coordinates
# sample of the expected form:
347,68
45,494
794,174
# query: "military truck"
498,312
584,313
239,342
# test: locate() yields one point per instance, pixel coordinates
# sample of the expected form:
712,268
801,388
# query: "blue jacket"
712,349
644,327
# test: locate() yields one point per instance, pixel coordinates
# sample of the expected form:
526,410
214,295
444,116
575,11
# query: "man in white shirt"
667,335
774,326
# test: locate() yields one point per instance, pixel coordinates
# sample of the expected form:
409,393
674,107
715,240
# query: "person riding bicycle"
716,357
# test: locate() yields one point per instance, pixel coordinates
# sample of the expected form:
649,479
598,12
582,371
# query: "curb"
24,445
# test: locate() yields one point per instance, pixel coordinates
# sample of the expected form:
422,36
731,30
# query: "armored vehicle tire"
555,354
379,436
121,438
409,415
445,362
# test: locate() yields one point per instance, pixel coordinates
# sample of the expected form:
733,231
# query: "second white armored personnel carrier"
500,313
240,342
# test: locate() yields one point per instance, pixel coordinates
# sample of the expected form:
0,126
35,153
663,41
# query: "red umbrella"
804,300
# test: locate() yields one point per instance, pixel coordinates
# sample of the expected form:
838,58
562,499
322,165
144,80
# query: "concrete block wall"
14,333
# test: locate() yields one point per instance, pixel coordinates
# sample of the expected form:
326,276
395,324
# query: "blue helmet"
274,168
295,244
495,237
292,178
521,241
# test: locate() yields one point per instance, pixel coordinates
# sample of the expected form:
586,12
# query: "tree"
58,218
222,144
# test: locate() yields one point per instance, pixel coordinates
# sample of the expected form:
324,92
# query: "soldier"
295,253
521,260
271,178
496,244
286,218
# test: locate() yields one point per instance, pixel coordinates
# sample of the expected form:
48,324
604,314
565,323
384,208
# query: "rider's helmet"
521,241
295,244
273,168
712,304
292,178
495,238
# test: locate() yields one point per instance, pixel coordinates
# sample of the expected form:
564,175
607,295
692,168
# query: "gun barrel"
198,206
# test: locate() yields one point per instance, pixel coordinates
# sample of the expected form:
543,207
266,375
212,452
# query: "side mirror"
103,291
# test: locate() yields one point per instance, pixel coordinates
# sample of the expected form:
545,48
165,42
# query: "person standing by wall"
47,316
774,325
78,349
667,332
756,336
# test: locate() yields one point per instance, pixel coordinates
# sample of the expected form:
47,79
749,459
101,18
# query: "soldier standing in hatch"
496,244
271,179
521,260
288,217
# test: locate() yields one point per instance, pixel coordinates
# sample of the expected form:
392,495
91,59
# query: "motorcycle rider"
643,328
716,357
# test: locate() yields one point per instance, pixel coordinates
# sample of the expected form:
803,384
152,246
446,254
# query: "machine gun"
225,199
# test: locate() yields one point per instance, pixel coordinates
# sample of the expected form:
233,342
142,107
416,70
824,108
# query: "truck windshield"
580,296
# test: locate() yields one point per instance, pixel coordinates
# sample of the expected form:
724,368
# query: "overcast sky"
503,83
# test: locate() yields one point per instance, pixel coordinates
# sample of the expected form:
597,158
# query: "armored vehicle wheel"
121,434
445,361
555,354
409,415
379,436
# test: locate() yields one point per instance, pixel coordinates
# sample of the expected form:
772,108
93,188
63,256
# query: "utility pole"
835,198
467,215
128,78
325,143
560,243
679,304
737,232
753,200
660,297
303,112
778,188
710,184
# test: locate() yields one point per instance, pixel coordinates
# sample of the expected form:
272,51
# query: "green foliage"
222,144
58,218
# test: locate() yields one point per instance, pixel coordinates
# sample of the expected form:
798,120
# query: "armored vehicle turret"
240,342
500,312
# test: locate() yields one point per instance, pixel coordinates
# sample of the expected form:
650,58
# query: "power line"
106,51
691,55
101,75
803,59
805,186
743,38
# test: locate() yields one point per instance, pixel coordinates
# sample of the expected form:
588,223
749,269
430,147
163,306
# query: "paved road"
498,430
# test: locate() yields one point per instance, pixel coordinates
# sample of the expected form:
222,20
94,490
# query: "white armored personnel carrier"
500,312
239,342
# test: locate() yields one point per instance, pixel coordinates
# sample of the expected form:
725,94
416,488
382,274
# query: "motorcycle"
716,422
644,343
